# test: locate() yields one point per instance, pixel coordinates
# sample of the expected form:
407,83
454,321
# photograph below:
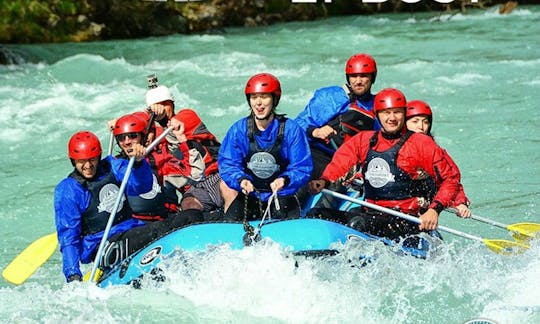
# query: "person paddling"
84,200
390,161
419,120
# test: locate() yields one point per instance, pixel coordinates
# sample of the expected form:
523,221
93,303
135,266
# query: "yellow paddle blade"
30,259
506,247
98,274
524,231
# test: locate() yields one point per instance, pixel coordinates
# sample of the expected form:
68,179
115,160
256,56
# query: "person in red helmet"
419,120
201,193
162,200
84,200
390,161
263,155
193,173
334,114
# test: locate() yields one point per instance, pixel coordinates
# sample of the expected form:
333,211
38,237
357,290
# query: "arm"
69,202
325,104
446,175
231,155
140,180
348,155
296,150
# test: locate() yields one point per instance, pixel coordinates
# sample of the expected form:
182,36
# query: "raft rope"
253,233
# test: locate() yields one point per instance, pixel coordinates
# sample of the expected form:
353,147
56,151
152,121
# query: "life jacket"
354,120
156,204
195,130
383,178
104,193
150,206
264,165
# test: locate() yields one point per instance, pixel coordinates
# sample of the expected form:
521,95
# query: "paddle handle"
399,214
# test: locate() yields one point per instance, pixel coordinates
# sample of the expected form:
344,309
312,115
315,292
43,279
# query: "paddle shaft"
401,215
118,200
481,219
111,144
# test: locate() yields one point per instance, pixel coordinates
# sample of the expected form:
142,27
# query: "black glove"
74,277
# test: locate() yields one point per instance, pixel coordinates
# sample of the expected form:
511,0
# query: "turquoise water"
480,72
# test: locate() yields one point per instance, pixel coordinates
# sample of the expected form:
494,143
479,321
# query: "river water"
480,72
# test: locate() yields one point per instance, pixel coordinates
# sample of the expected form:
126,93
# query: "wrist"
286,180
437,206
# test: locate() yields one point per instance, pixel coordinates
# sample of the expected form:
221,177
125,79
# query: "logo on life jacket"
378,173
263,165
156,188
107,198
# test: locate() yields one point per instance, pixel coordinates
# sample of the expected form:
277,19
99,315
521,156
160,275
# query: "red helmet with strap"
361,63
389,98
130,124
84,145
418,107
264,83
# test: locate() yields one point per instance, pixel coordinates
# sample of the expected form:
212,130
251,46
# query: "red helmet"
190,119
130,124
264,83
361,63
84,145
418,107
389,98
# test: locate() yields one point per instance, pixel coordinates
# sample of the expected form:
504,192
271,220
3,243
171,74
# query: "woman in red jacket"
419,120
391,160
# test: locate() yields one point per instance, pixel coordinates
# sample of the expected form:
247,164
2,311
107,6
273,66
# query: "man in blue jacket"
336,113
84,200
262,155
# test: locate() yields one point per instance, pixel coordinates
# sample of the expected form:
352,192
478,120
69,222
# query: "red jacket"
418,153
460,198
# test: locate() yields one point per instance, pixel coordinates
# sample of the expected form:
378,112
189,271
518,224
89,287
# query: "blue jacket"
71,199
294,148
328,103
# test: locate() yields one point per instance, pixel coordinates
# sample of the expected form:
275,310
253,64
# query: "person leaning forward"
390,161
202,194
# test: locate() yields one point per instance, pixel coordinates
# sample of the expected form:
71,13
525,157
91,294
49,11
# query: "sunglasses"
122,137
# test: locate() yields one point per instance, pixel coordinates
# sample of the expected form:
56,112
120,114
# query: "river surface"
480,72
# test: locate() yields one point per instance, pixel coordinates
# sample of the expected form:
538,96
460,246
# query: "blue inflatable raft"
305,236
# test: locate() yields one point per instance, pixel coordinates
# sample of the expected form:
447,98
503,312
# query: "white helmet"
158,94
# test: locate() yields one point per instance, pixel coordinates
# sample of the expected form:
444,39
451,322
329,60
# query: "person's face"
88,167
360,83
169,108
418,124
261,104
127,140
392,120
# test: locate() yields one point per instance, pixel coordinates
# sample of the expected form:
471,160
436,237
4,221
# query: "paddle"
520,231
111,143
498,246
117,203
30,259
